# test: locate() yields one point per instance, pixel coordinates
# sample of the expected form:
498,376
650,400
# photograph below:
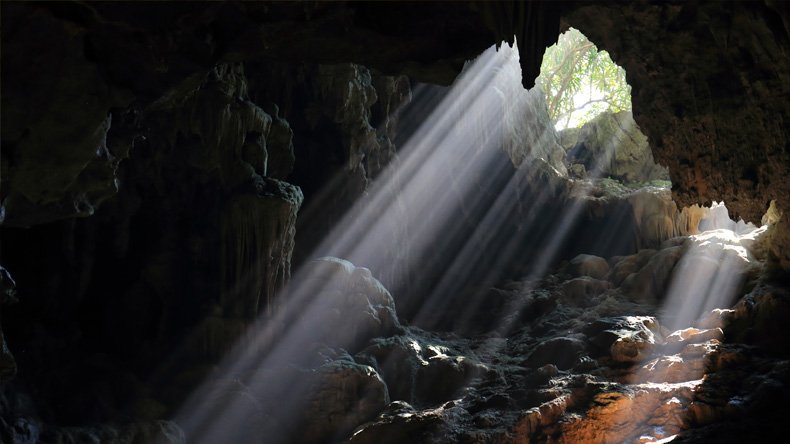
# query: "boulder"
579,291
398,423
629,264
649,283
397,359
445,376
588,265
351,306
625,339
562,352
417,370
342,395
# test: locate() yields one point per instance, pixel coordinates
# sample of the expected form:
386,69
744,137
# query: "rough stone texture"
580,290
612,145
561,352
55,161
352,306
344,395
179,109
649,283
258,236
657,217
588,265
7,296
529,130
625,339
164,432
715,118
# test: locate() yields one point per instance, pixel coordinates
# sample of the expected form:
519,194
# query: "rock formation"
170,172
612,145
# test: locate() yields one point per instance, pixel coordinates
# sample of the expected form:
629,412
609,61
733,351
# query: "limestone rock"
530,131
26,431
629,264
716,318
225,130
577,171
612,145
656,215
690,217
280,146
759,318
258,234
718,217
562,352
568,138
55,126
445,375
620,413
398,423
694,335
649,283
728,150
419,370
588,265
8,366
351,305
624,339
581,290
342,396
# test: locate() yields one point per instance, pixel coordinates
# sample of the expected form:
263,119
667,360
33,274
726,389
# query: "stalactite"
257,241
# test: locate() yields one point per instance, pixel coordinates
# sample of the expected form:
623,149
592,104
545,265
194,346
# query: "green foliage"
581,82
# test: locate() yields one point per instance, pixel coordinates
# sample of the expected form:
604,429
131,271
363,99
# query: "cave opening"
589,101
484,237
274,244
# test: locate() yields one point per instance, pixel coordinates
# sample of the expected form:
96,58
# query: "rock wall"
195,162
611,145
707,81
191,132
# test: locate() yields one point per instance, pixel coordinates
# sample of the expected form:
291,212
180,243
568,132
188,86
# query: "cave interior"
357,222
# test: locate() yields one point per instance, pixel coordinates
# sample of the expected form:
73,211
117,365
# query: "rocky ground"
581,355
578,357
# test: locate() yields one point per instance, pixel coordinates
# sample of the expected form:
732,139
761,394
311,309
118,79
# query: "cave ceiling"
710,80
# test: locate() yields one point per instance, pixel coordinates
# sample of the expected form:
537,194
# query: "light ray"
455,193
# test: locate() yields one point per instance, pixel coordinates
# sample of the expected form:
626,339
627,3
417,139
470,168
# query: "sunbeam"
468,190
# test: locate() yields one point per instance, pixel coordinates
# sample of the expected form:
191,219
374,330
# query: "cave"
362,222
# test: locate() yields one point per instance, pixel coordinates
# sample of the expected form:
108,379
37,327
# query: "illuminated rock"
341,396
649,283
624,339
624,266
353,306
398,423
612,145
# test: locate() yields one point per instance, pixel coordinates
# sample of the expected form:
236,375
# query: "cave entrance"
589,102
